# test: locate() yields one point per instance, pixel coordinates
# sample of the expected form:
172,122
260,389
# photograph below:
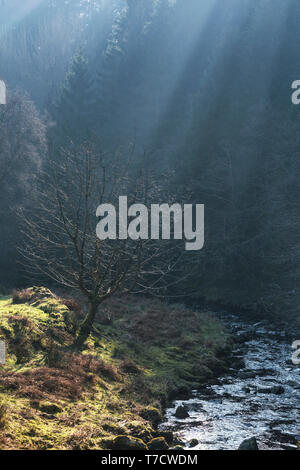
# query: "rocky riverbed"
259,397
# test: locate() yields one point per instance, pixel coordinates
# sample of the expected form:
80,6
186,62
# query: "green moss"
159,443
128,443
151,414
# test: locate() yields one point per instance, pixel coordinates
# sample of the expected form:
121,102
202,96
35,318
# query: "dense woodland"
199,92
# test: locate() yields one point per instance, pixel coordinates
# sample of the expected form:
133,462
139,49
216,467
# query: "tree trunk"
86,326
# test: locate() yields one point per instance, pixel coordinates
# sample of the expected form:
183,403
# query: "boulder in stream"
182,412
276,390
193,443
249,444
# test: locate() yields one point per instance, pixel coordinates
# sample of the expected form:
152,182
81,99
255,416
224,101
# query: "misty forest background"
201,88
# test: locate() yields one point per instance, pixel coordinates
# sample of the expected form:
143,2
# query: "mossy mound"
128,443
159,443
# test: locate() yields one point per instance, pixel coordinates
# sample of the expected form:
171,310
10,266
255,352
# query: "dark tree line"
206,88
23,148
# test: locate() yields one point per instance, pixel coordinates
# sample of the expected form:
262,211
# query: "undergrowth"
141,354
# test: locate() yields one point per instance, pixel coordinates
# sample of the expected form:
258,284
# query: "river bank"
111,395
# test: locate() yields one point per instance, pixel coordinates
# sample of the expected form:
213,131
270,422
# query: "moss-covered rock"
128,443
168,435
140,430
31,295
159,443
151,414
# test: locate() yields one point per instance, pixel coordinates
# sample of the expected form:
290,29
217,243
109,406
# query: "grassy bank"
141,353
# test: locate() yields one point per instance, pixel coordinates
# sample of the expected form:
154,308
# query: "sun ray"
12,12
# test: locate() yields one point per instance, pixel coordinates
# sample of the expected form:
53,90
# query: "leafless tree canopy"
61,232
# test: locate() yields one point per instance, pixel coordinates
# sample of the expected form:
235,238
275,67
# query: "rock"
50,408
151,414
247,375
280,422
229,396
196,407
168,435
138,430
179,443
276,390
265,372
40,293
182,412
177,448
193,443
128,443
249,444
293,384
289,447
159,443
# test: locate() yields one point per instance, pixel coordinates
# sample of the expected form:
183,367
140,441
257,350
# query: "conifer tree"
74,112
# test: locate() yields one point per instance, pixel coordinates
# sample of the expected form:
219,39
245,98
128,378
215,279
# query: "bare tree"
61,235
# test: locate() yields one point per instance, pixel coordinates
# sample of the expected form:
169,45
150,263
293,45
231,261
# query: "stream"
259,397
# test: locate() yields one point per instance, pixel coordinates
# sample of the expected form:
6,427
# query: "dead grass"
72,304
82,439
44,383
21,296
32,295
130,367
91,364
149,319
68,381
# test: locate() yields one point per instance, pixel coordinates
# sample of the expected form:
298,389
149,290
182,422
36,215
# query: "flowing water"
259,400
